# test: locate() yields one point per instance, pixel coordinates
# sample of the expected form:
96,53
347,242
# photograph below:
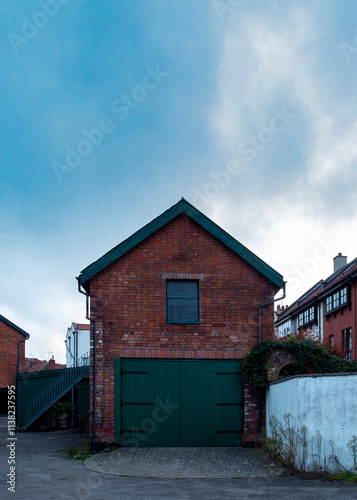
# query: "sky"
113,111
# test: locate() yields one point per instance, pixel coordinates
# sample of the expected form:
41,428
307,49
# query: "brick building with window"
327,311
173,310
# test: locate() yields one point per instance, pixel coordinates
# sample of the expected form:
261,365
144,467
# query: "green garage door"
178,403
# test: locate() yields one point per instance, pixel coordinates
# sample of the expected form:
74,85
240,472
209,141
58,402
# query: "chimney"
338,262
52,363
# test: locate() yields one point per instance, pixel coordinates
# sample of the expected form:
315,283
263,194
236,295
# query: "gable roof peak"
15,327
182,206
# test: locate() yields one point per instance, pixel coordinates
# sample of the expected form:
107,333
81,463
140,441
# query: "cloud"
300,190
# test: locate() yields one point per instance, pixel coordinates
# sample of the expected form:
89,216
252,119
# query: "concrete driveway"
43,472
184,463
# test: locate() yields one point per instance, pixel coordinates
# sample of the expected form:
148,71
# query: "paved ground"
184,463
42,472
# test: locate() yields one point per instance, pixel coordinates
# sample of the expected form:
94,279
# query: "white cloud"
39,294
334,153
267,61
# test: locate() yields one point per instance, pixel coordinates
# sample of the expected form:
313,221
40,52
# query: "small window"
332,341
301,319
307,317
182,301
347,342
337,300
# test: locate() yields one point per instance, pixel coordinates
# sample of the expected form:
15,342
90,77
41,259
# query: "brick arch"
277,361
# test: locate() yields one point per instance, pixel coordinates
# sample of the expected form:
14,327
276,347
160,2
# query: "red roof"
39,365
82,326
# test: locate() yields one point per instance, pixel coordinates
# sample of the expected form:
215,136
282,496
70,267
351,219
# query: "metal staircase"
52,393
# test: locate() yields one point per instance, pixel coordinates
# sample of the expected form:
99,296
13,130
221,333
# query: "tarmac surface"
44,472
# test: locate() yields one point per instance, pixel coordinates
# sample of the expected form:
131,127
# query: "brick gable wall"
9,339
128,301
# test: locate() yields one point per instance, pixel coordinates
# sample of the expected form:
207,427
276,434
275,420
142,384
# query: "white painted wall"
325,404
285,329
72,345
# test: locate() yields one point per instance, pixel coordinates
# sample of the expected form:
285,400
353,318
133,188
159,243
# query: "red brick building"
327,311
174,309
12,351
12,357
33,365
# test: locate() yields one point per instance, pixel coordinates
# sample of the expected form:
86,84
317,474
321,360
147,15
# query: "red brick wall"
9,339
340,321
128,299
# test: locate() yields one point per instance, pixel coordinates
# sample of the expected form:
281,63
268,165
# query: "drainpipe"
319,307
19,352
68,352
94,365
267,304
259,342
75,338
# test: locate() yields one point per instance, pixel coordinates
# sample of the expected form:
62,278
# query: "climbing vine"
307,353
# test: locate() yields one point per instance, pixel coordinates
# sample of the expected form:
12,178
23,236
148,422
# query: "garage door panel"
150,404
228,425
197,404
228,404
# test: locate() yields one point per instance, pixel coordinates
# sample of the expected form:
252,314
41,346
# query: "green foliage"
82,452
348,476
61,409
307,352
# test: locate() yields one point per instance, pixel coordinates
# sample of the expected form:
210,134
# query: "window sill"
183,322
333,312
306,325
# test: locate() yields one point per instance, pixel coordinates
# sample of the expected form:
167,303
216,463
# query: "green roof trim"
12,325
182,207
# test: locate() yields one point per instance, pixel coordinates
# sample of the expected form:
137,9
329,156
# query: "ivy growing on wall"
308,354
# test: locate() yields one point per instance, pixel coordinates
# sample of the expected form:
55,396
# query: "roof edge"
182,206
330,288
15,327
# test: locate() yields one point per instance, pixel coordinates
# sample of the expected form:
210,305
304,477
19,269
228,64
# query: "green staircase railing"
52,393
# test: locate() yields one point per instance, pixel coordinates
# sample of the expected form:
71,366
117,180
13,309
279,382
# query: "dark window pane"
182,301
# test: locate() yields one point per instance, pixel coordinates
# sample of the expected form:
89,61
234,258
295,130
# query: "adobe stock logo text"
121,106
31,27
249,150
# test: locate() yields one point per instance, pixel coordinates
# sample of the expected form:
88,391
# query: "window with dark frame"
347,342
336,300
182,301
307,317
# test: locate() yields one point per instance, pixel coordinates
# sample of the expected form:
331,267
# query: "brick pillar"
52,363
251,413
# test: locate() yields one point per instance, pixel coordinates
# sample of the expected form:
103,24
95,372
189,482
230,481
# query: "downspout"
352,301
267,304
19,353
259,342
319,306
69,352
76,347
94,365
